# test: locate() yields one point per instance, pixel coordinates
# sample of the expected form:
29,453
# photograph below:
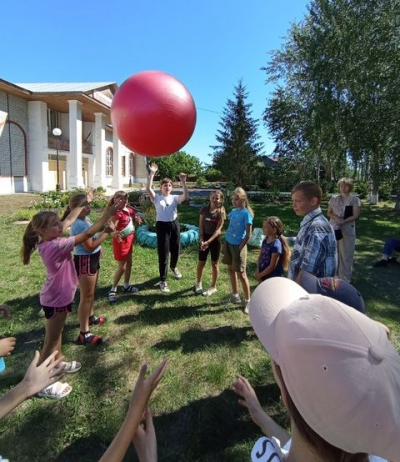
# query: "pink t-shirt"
61,282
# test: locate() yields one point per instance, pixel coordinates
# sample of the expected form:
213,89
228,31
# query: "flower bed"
149,238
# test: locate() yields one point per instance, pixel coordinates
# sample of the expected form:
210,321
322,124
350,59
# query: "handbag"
348,211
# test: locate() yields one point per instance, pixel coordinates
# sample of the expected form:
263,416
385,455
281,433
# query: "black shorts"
87,265
214,249
51,311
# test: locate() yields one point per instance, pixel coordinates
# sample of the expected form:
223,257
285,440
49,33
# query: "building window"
53,120
123,169
109,162
132,164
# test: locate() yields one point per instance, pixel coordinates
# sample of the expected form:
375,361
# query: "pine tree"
237,154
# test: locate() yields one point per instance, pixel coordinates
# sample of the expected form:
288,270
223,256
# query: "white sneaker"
209,292
246,308
177,273
198,289
164,286
234,298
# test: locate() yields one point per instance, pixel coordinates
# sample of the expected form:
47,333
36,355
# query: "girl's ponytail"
30,241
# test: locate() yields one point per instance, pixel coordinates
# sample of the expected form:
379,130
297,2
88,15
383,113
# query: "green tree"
238,152
171,166
337,100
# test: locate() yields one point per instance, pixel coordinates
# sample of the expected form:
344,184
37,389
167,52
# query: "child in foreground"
319,360
45,233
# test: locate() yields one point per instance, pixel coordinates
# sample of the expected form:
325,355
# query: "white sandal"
71,367
57,390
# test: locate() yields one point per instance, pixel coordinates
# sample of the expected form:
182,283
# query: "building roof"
68,87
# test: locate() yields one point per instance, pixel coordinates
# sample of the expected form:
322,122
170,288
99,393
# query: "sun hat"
336,288
339,367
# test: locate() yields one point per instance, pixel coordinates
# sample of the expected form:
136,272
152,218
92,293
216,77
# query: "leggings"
168,241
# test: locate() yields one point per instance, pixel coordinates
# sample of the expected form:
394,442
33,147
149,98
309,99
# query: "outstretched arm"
145,440
149,187
141,394
249,399
36,378
185,196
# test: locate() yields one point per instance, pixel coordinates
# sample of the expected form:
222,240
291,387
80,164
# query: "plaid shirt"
314,250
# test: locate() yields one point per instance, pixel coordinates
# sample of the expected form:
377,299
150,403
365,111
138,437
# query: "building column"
99,151
38,158
117,180
75,179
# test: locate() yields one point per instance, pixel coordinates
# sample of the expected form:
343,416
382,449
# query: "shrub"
135,196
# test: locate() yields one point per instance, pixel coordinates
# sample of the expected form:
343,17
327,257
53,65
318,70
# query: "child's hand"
145,440
119,204
89,195
5,311
138,219
153,168
7,346
110,227
258,276
39,377
182,177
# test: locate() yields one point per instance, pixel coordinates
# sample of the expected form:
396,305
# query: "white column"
75,179
117,180
38,157
99,151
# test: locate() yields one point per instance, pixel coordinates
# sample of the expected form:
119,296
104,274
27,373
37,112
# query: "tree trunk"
397,204
374,195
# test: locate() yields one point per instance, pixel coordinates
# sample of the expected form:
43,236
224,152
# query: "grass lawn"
207,341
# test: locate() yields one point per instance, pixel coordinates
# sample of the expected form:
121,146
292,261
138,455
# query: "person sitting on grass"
392,244
338,374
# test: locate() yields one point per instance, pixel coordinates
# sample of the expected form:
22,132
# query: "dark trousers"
168,241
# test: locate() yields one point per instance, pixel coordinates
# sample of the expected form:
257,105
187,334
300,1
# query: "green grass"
197,417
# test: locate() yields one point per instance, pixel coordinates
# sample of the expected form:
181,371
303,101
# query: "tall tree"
238,152
338,92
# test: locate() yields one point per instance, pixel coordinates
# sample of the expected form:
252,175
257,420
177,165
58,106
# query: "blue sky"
208,45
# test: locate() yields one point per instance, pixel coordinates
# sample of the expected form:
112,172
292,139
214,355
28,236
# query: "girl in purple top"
45,232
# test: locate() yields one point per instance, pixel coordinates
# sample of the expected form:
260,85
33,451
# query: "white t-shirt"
270,450
166,207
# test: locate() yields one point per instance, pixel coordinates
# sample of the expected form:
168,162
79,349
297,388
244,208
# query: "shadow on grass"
196,339
202,430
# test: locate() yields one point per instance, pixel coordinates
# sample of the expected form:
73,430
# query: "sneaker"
246,308
164,286
198,289
234,298
209,292
177,273
380,263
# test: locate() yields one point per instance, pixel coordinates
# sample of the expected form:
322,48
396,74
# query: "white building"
87,153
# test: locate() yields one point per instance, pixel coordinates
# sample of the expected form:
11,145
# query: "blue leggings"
391,244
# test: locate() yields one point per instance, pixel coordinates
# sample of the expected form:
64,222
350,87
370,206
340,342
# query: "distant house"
84,152
270,161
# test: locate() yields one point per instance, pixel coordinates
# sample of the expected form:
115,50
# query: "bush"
135,196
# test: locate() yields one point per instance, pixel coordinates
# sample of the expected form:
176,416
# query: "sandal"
57,390
89,339
131,289
93,320
112,296
71,367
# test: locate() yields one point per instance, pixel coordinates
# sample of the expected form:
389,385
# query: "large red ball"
153,114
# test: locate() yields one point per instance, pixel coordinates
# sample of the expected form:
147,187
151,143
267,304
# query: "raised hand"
182,177
153,167
145,440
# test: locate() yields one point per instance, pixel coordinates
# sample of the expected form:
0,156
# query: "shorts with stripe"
87,265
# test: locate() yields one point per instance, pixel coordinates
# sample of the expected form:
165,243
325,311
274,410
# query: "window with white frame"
123,169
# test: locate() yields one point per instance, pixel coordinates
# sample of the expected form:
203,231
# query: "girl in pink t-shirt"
45,232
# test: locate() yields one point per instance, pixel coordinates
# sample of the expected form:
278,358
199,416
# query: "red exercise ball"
153,114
